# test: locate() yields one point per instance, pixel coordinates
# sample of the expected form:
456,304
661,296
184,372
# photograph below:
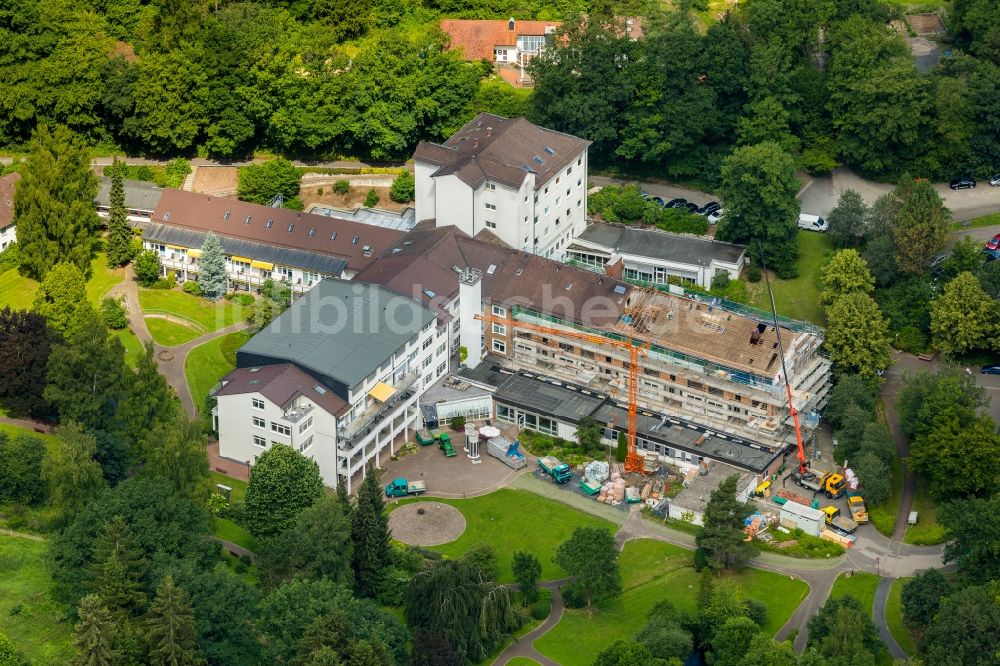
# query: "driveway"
820,197
667,192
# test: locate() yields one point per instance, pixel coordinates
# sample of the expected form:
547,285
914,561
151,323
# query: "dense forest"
828,80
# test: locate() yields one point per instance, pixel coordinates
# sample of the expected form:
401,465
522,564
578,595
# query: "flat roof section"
656,244
559,400
139,195
490,372
696,494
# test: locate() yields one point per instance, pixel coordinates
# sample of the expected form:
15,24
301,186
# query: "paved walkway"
170,360
28,424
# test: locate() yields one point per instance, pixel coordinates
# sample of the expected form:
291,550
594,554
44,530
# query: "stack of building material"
597,470
843,540
619,490
646,490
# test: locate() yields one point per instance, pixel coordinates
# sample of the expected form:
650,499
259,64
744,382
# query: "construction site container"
506,451
794,515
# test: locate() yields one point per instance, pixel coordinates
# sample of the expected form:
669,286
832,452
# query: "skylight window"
549,151
269,224
354,241
429,293
492,269
312,232
537,160
291,226
319,389
619,289
225,215
166,216
333,236
247,221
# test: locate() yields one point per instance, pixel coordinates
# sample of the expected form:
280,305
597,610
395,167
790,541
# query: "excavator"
832,484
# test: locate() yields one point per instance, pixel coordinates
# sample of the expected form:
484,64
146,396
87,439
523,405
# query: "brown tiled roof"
431,256
7,184
312,233
280,384
477,39
503,150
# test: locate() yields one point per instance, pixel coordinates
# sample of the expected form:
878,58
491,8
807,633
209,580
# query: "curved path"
878,612
172,368
525,645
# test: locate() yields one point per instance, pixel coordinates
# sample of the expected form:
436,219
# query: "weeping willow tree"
459,601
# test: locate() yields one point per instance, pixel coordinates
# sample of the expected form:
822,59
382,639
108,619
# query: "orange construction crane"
633,461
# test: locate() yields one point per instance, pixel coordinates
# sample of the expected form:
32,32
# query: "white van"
812,223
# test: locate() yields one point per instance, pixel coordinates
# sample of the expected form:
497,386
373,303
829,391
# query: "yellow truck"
832,484
859,510
842,523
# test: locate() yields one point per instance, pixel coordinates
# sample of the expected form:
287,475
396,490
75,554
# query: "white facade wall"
561,209
236,415
702,275
425,198
8,235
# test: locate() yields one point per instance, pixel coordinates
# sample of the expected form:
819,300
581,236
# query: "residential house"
141,198
8,230
525,184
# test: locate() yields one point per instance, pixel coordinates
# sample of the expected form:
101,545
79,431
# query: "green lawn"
227,530
13,431
170,333
239,486
510,520
102,279
210,315
927,531
861,586
883,516
653,571
208,363
28,616
522,661
133,348
16,291
894,617
797,298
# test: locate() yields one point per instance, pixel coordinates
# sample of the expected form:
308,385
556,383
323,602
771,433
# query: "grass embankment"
208,363
977,222
225,529
29,617
860,585
170,333
927,531
894,617
883,516
210,315
510,520
798,298
653,571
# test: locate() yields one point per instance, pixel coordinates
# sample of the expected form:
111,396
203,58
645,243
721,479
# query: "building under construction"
706,360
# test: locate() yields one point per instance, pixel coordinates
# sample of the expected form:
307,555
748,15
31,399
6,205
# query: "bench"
925,357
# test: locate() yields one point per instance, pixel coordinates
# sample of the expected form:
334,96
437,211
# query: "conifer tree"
119,232
118,569
54,204
170,632
370,532
94,634
721,538
212,269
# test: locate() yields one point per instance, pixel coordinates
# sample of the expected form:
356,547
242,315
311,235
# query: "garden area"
209,362
653,571
175,317
798,297
894,617
510,520
927,531
27,613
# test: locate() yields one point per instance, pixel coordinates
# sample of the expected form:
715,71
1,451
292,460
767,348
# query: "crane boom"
633,461
800,453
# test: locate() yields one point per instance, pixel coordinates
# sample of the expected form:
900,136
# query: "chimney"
510,24
470,303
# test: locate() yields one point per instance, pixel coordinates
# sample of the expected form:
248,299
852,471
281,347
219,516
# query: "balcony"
296,414
371,417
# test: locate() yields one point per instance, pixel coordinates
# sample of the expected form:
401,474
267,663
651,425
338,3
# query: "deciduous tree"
963,317
966,629
283,484
954,457
25,344
318,546
972,527
212,274
54,204
930,399
147,267
759,187
857,335
847,220
21,459
73,476
845,273
922,224
527,570
62,299
403,188
588,433
843,630
175,450
663,634
119,240
629,653
260,183
590,556
922,597
875,477
850,389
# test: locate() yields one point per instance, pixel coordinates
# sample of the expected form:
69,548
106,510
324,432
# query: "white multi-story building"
525,184
337,376
8,230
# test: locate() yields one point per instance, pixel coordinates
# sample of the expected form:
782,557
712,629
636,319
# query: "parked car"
710,207
963,183
991,370
692,207
995,180
676,203
715,215
993,243
657,200
937,266
813,223
644,194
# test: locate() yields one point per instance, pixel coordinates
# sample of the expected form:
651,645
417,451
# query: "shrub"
372,199
720,281
342,187
192,287
910,339
403,188
147,268
543,604
114,314
9,258
319,191
457,422
753,274
245,300
573,596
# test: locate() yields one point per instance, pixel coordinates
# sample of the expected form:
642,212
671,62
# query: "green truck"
401,488
590,486
444,443
425,437
557,470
